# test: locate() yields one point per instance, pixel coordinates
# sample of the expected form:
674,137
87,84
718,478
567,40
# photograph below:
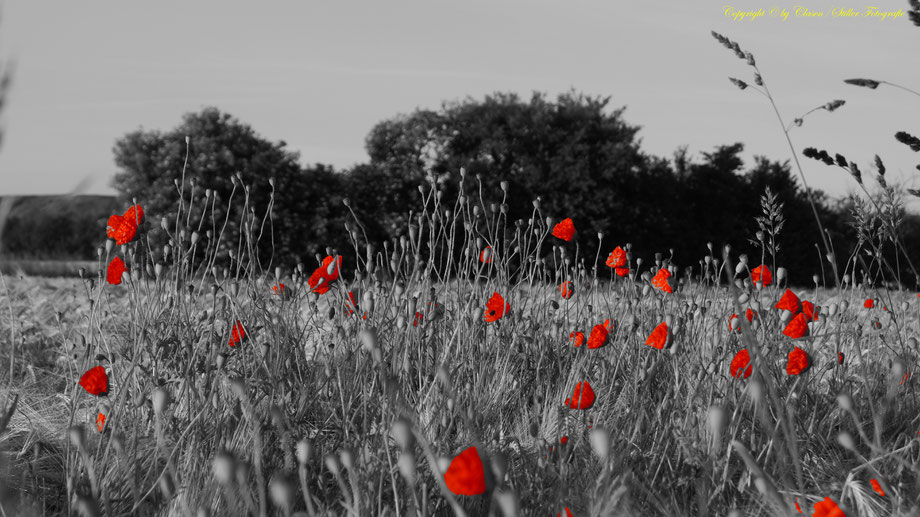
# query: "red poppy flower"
622,271
323,277
598,337
797,326
877,487
237,334
607,324
100,421
577,338
810,311
278,289
797,507
565,230
828,508
466,475
617,258
660,280
418,319
761,273
741,365
123,228
485,256
789,301
496,307
582,398
95,381
564,440
567,289
115,270
869,303
839,357
659,337
567,513
797,362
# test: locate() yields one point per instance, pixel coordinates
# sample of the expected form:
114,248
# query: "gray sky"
319,75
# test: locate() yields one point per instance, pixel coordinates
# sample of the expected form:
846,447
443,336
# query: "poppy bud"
224,465
160,400
368,338
401,431
600,442
780,274
406,464
234,288
332,464
504,186
282,492
843,306
367,301
304,451
785,316
718,418
739,268
845,402
846,441
77,437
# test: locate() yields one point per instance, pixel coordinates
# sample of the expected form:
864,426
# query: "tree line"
574,152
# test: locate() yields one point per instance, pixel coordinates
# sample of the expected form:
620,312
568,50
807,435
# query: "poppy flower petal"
466,475
564,230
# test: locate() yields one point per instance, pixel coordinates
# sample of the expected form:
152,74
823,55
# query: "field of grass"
228,394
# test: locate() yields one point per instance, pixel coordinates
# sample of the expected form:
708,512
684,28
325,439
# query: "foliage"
222,149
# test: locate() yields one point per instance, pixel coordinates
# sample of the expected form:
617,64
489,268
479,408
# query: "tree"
574,152
307,202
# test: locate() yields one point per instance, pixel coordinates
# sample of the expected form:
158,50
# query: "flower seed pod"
333,464
845,402
600,442
406,466
281,490
368,338
780,274
224,466
846,441
401,431
77,437
160,399
348,459
304,451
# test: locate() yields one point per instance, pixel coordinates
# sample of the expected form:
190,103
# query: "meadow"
590,382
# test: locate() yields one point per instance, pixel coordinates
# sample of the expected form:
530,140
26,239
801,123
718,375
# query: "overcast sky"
320,74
